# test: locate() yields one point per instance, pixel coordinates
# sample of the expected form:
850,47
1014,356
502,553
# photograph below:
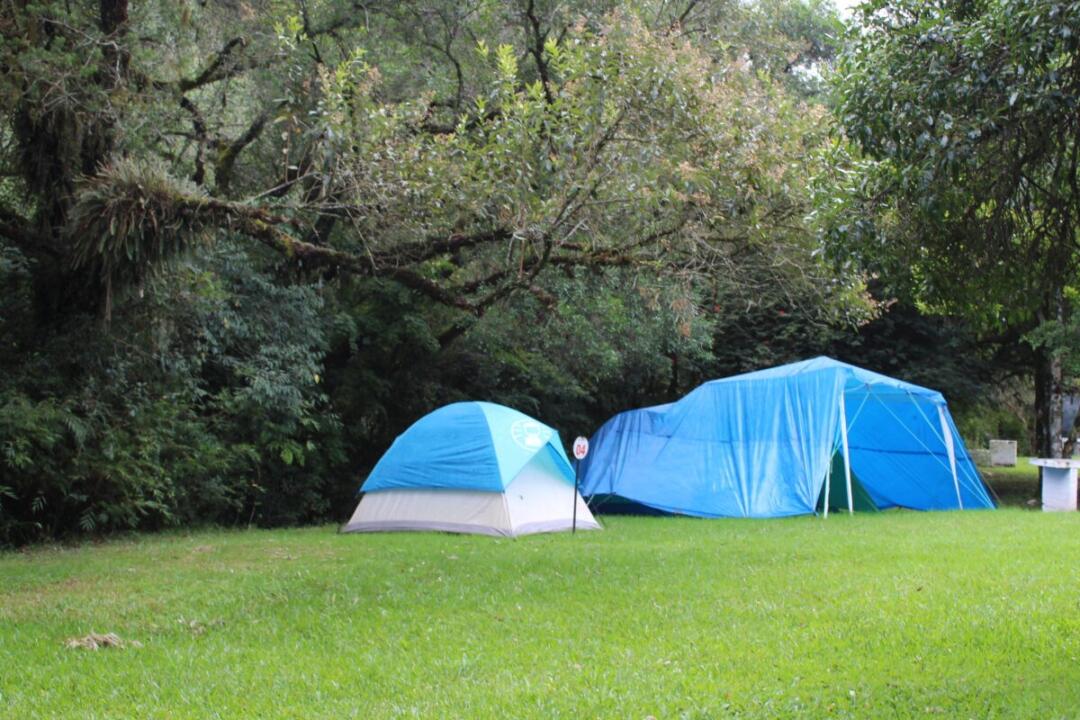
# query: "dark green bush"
206,408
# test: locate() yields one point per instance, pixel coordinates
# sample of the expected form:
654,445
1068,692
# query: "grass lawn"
1015,485
900,615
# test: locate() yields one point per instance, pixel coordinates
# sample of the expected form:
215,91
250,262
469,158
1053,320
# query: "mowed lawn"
1014,485
900,615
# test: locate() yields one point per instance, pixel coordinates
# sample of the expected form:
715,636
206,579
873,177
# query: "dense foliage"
244,244
966,191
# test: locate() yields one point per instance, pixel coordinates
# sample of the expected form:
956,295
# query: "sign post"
581,449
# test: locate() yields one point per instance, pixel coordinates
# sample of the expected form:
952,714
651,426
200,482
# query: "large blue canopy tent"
788,440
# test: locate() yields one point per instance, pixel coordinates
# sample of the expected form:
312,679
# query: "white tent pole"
573,523
847,455
947,434
828,477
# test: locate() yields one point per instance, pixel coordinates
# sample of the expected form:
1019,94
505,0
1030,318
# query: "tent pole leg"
828,478
573,522
847,456
946,434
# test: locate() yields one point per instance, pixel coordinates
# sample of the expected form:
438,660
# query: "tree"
965,181
627,134
252,220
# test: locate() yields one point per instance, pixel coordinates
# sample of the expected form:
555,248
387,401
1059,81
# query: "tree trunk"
1069,448
1048,404
673,384
113,15
113,20
62,139
1049,396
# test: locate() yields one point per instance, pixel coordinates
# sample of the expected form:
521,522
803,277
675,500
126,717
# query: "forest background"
245,243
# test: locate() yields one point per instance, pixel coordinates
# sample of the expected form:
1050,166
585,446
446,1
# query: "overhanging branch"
219,67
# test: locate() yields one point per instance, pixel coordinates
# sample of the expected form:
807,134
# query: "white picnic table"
1058,483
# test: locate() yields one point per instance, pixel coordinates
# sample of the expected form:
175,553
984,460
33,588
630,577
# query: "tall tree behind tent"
966,185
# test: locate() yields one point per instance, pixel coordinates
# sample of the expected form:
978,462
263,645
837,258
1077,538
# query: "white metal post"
946,432
828,477
847,456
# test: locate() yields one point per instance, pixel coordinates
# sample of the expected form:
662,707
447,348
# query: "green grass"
902,615
1016,485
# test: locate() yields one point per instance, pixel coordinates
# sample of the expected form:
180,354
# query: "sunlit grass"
897,615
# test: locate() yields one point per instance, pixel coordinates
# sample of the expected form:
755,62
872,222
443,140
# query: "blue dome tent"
788,440
473,467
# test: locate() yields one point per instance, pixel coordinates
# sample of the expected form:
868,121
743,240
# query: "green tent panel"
838,490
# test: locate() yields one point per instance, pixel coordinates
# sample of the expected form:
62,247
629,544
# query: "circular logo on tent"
529,434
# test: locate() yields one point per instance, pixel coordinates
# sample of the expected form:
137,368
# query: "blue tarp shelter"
763,444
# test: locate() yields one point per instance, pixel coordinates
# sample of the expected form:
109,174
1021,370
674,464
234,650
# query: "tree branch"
216,69
264,227
20,232
202,140
536,49
223,170
433,247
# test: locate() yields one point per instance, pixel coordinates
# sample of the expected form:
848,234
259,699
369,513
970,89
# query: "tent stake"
847,456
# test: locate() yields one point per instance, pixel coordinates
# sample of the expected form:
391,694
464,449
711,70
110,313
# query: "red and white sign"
581,448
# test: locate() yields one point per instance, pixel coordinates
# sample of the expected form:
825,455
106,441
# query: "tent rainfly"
473,467
790,440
